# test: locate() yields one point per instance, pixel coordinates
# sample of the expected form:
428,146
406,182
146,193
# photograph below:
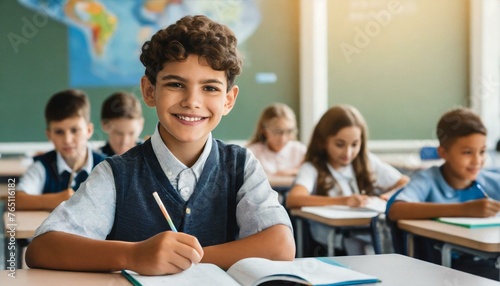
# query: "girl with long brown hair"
338,169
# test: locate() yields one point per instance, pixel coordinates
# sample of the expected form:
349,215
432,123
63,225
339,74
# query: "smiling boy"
458,188
45,184
217,194
454,189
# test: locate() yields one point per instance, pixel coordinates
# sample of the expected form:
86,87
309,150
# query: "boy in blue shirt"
459,187
217,194
45,184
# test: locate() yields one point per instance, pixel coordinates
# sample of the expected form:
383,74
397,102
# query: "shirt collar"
170,165
63,166
447,190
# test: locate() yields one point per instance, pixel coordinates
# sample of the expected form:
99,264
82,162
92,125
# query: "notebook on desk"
471,222
255,271
374,207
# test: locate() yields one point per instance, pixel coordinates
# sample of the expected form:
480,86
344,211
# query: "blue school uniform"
56,182
107,151
430,186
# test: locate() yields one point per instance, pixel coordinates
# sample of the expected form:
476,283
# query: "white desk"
13,167
391,269
281,181
41,277
334,223
396,270
24,222
477,241
281,184
485,239
20,226
4,193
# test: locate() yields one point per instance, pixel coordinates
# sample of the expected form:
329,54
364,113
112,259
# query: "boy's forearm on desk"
407,210
64,251
275,243
312,200
49,202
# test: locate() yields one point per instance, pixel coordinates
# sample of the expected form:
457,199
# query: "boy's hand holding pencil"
168,252
481,208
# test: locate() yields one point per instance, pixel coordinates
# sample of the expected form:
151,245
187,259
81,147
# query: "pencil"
71,176
164,211
482,190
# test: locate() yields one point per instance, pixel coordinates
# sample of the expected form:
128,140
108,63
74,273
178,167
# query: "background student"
275,143
217,194
459,187
46,183
339,170
121,119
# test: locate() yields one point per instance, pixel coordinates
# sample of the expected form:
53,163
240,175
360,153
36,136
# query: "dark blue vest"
107,151
210,212
55,182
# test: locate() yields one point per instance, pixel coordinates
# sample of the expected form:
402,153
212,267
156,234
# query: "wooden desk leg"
331,242
300,239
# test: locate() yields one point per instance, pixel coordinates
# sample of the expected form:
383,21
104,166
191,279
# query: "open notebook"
373,208
255,271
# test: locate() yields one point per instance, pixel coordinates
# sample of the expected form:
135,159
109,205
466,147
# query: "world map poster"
105,36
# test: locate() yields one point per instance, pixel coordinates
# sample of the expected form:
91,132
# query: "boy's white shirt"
33,179
90,211
181,177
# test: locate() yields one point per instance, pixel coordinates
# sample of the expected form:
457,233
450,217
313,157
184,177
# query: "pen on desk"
164,211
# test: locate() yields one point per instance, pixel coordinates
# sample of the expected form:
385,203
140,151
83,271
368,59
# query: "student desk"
22,227
334,223
477,241
391,269
396,269
3,191
282,185
41,277
13,167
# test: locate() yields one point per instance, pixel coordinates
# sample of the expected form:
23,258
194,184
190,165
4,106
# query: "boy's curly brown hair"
198,35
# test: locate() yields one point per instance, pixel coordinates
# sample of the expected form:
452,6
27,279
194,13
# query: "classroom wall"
39,68
401,62
411,69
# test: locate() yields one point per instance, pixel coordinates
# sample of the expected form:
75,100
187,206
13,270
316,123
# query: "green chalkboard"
34,65
401,63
